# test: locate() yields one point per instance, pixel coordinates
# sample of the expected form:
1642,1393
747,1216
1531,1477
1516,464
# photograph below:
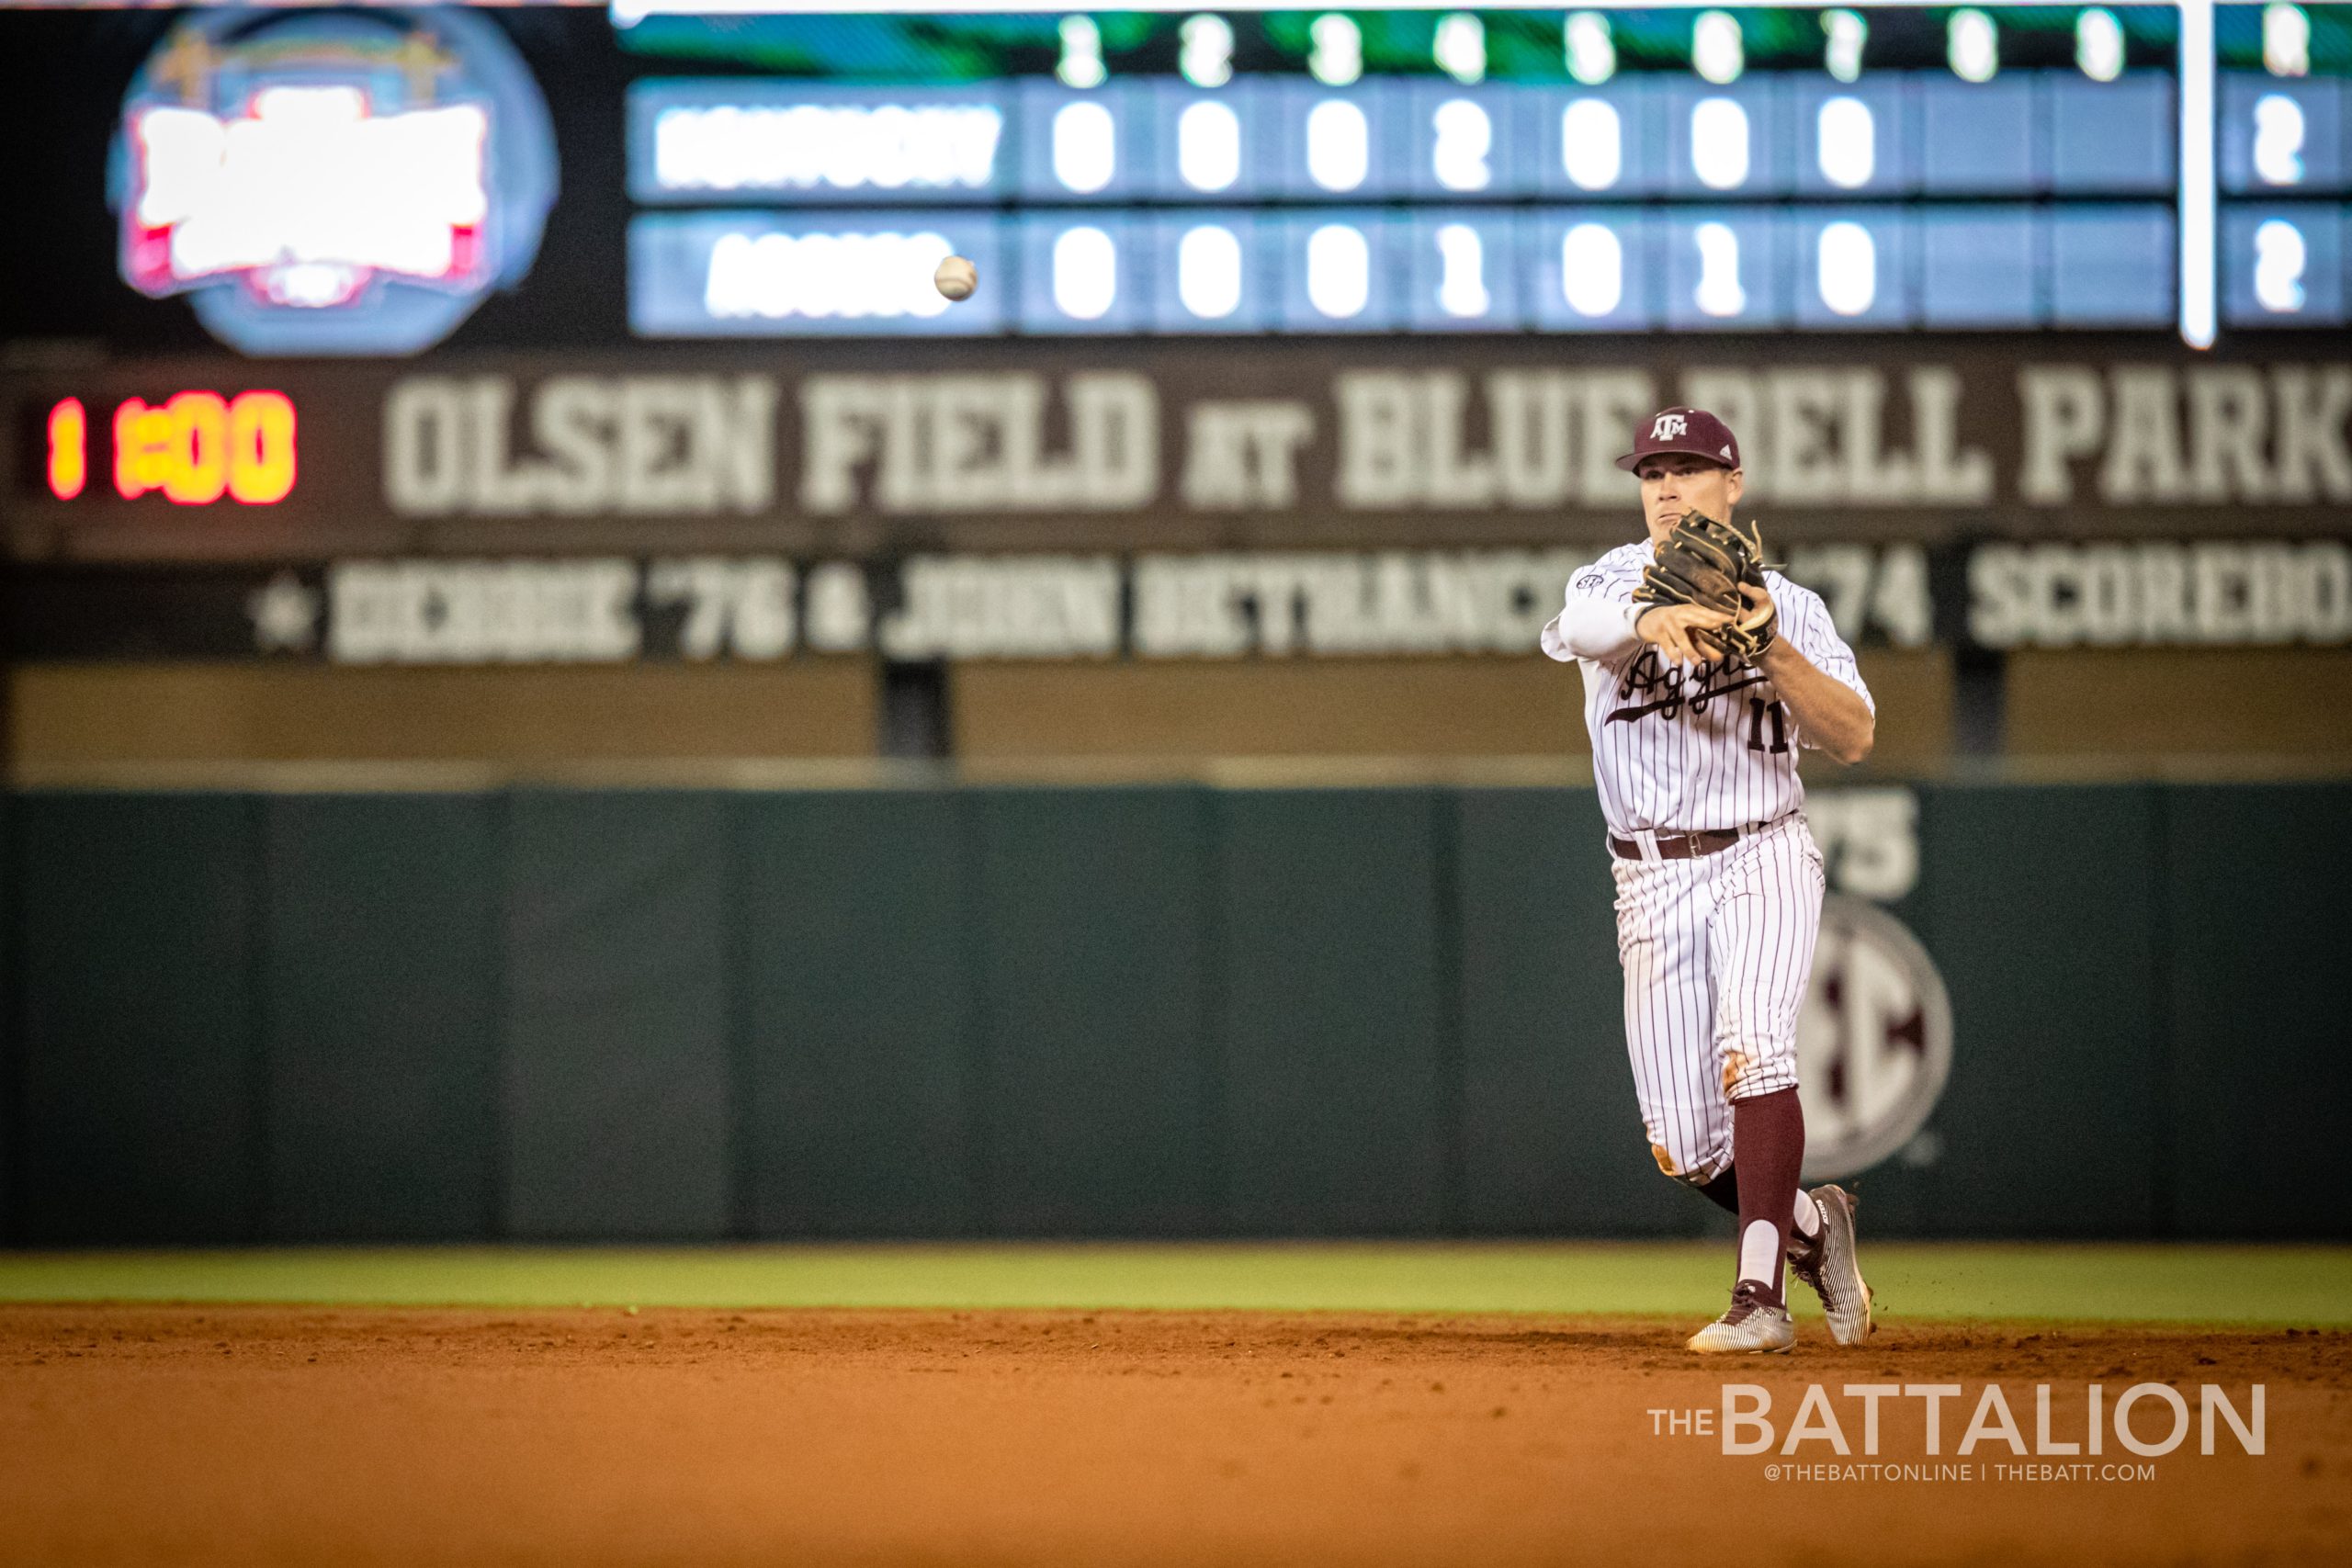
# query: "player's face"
1674,484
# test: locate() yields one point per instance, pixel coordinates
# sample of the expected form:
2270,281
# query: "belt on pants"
1688,846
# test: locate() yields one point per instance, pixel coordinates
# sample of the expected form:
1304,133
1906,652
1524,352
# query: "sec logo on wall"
1874,1041
339,183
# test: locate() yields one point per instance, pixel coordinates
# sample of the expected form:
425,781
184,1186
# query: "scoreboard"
1308,200
798,168
1288,206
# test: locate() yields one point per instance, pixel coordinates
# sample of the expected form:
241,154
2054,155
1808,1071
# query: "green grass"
2302,1285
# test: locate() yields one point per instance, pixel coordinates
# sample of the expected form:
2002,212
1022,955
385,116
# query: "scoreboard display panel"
2014,168
2036,134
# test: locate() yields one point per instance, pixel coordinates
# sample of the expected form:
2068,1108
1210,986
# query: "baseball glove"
1704,562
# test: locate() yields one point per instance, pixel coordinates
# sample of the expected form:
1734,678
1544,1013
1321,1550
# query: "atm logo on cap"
349,182
1669,427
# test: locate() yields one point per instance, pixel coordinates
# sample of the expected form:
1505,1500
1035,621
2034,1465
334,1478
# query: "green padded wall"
855,965
1552,1134
617,1089
1335,1016
2257,961
2036,904
1095,976
552,1014
381,984
140,1066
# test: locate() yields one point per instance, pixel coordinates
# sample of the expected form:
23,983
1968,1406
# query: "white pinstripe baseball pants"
1717,951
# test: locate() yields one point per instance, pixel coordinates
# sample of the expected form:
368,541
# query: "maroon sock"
1767,1141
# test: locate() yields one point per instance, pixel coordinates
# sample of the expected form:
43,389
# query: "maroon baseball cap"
1694,431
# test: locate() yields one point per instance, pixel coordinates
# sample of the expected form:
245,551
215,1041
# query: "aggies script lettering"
1649,676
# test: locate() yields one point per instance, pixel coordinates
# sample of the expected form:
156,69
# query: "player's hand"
1671,627
1756,633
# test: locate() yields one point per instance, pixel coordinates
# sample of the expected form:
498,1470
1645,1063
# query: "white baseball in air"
956,279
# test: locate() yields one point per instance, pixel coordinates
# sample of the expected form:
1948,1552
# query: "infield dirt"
271,1435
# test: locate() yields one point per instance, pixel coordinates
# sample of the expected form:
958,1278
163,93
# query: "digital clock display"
192,447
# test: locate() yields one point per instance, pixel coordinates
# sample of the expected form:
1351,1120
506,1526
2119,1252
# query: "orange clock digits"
198,446
261,448
69,450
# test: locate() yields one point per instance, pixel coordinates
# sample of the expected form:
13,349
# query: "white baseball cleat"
1750,1325
1828,1264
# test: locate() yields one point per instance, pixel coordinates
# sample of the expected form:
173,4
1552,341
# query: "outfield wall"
549,1014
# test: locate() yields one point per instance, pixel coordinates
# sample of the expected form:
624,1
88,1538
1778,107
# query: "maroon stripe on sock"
1768,1146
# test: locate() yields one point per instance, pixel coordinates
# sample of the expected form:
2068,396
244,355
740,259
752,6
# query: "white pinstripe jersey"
1690,748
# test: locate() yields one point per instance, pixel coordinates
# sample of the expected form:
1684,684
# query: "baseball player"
1703,672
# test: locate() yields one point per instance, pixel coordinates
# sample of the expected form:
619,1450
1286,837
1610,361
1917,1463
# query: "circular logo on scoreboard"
1874,1041
344,182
